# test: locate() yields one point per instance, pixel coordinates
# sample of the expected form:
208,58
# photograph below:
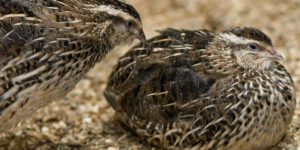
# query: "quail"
47,46
202,90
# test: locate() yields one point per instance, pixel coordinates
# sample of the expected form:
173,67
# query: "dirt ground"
83,120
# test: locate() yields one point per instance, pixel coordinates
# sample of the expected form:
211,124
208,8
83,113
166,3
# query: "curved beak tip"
281,58
276,55
141,36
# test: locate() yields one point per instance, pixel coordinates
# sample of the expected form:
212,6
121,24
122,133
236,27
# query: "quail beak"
141,35
274,55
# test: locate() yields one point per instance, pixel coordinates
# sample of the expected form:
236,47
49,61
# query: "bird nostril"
275,54
272,51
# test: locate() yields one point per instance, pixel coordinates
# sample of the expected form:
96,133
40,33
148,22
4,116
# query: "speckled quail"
197,89
47,46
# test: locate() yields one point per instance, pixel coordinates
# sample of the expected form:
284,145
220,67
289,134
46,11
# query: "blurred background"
83,120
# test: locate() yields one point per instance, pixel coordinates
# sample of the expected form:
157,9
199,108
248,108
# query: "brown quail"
197,89
47,46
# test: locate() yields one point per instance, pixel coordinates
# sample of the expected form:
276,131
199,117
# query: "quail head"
197,89
47,46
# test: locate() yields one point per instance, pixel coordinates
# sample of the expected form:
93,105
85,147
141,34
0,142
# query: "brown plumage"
47,46
197,89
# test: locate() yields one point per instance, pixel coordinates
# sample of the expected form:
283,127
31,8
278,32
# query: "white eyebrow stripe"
236,39
110,10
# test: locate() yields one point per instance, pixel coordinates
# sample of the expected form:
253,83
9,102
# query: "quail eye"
252,46
129,23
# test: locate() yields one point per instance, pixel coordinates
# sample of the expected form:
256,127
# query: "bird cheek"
133,31
120,28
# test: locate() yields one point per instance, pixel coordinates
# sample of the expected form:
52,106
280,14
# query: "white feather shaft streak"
158,93
12,16
10,92
29,74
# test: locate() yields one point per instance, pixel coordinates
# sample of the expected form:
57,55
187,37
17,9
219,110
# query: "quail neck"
47,47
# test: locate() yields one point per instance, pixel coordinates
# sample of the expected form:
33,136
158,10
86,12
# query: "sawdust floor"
83,120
